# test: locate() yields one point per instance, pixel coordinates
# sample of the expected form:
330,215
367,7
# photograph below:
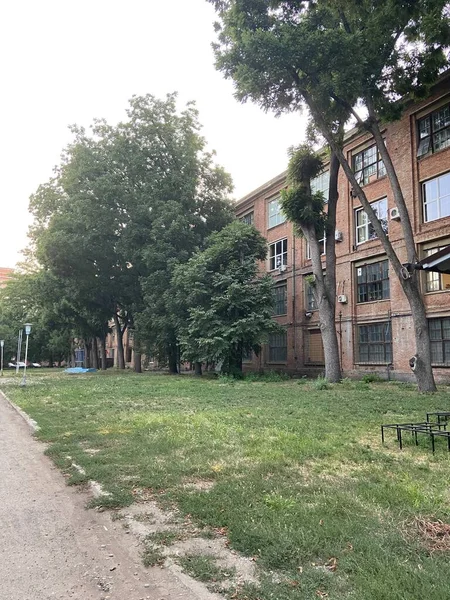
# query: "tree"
127,204
229,305
306,210
343,53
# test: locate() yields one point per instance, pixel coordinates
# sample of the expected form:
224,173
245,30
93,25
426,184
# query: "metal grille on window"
280,299
277,347
372,282
375,343
440,341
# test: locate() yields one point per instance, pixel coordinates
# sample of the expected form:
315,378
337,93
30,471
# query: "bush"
267,377
321,383
371,378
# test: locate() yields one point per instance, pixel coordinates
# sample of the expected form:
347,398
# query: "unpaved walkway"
52,547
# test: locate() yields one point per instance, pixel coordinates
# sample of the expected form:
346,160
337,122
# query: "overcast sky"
65,62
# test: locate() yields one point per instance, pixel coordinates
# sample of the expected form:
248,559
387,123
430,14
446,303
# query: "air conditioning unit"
394,214
338,235
342,299
282,268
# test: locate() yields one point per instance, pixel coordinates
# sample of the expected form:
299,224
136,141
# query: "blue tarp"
79,370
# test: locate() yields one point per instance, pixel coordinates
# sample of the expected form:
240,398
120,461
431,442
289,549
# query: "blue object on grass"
79,370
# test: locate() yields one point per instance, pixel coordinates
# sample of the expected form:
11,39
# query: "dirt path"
52,547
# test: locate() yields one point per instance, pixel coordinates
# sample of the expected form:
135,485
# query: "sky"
66,62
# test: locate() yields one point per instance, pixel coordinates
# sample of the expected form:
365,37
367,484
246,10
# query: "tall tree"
346,53
306,210
229,305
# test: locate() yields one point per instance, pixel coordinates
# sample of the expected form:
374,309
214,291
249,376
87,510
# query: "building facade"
373,318
5,275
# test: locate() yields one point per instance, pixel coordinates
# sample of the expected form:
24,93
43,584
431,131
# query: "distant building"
5,274
373,319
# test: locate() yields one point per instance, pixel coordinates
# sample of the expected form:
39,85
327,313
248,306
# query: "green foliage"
229,306
370,378
321,383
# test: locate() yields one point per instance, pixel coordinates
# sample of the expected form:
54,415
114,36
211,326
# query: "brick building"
5,274
373,320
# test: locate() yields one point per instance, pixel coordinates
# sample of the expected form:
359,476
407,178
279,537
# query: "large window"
372,282
434,281
434,131
322,246
321,183
375,343
277,254
440,341
364,229
278,347
276,215
280,306
368,166
436,198
310,299
248,218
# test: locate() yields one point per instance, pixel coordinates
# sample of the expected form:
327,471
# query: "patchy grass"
297,476
203,568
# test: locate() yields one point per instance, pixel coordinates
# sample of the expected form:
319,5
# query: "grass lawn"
300,479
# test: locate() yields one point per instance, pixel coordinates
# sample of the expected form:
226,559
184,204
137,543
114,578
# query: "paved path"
52,547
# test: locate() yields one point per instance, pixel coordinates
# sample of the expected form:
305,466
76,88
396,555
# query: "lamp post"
2,343
27,333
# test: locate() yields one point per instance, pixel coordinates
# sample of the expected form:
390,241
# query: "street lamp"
2,343
27,333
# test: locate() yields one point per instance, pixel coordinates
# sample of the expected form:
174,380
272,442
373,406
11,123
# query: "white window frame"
279,257
274,216
321,183
437,201
322,243
365,226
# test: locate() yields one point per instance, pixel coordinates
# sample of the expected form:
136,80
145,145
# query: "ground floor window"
278,347
315,353
440,341
375,343
128,355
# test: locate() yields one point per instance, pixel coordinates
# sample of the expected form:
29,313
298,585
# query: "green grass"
299,475
203,568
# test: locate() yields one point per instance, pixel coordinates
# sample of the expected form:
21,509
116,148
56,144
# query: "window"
128,355
372,282
375,343
315,347
368,166
248,219
436,198
321,183
276,215
322,246
311,302
440,341
434,131
111,353
434,281
277,254
364,229
278,347
280,307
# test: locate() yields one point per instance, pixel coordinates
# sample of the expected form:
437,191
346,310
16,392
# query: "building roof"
438,262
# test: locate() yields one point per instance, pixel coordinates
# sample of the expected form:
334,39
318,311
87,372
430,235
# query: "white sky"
65,62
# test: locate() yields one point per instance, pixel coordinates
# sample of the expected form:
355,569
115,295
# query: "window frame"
434,277
370,234
317,184
372,287
279,216
444,341
426,142
271,347
437,200
360,173
310,299
244,218
283,255
282,285
371,344
322,244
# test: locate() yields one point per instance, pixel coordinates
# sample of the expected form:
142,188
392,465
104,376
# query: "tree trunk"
50,360
119,337
423,371
198,369
137,358
94,353
87,354
172,355
103,352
